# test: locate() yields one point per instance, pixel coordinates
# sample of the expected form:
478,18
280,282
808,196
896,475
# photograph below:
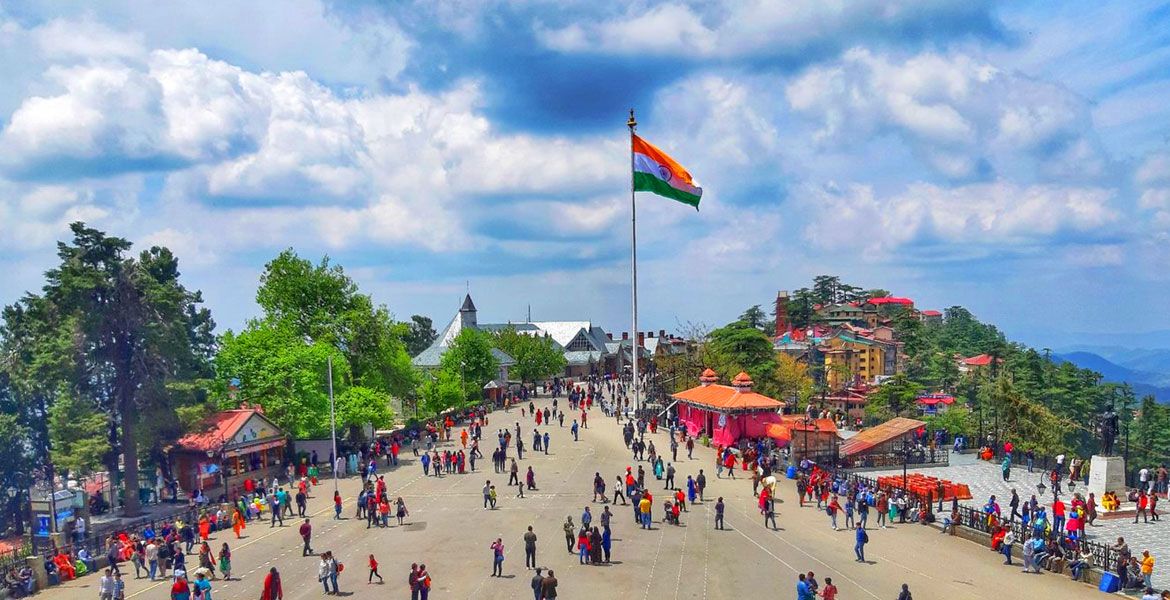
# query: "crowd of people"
659,488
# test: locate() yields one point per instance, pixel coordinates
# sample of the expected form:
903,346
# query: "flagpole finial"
632,123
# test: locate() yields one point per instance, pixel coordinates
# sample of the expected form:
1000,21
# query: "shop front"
231,447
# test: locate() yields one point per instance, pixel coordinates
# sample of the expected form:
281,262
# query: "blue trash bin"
791,473
1109,582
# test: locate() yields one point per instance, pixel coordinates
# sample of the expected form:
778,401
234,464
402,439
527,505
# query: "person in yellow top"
1147,567
644,508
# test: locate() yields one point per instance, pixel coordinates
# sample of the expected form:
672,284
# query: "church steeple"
467,312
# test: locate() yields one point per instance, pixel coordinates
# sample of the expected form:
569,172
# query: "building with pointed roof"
726,413
466,318
587,348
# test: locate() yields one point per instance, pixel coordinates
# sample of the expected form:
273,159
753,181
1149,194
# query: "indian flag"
656,172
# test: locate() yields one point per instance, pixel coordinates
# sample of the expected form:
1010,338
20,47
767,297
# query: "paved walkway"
450,531
985,479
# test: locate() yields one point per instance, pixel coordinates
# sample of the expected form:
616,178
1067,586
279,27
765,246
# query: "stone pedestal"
1106,473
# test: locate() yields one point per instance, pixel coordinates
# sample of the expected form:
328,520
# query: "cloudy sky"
1010,157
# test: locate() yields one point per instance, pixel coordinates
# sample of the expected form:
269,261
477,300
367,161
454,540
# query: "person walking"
323,572
719,507
307,537
617,491
537,584
549,586
374,571
179,590
272,589
225,562
151,550
106,586
770,513
497,548
834,508
1147,566
334,571
861,539
336,505
529,549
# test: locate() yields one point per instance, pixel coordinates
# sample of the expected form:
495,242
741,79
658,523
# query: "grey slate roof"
582,357
433,355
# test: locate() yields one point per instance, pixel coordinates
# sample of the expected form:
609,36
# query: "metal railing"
95,538
1104,556
14,557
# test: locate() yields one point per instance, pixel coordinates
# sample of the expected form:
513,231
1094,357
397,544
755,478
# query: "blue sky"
1010,157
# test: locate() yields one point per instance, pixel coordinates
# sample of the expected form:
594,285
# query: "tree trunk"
124,387
131,507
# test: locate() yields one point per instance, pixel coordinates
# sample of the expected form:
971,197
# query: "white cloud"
663,29
1154,170
86,40
959,114
740,28
995,215
358,47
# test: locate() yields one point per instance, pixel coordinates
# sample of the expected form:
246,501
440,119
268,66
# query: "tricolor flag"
656,172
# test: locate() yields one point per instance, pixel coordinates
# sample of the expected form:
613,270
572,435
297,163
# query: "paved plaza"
985,479
450,531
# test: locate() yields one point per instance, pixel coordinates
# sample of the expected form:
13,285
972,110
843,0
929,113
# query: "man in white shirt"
106,586
152,558
1144,478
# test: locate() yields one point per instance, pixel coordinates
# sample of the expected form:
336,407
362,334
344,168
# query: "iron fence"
95,538
1104,556
14,557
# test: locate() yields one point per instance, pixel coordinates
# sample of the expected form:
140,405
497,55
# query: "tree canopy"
311,313
537,357
114,333
419,335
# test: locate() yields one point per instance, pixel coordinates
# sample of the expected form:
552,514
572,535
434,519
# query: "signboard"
255,429
722,420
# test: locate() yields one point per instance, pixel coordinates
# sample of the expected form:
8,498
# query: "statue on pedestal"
1107,428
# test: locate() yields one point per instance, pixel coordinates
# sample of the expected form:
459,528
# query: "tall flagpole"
633,123
332,420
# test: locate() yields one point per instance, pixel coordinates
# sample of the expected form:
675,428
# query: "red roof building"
726,413
890,300
227,448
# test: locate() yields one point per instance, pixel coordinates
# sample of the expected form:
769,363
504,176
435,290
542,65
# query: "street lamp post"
222,471
17,517
906,448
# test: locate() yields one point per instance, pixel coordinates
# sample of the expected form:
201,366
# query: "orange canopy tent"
780,432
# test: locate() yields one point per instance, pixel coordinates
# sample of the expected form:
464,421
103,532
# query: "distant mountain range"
1146,370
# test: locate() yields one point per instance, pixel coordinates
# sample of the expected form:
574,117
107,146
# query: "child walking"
374,571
